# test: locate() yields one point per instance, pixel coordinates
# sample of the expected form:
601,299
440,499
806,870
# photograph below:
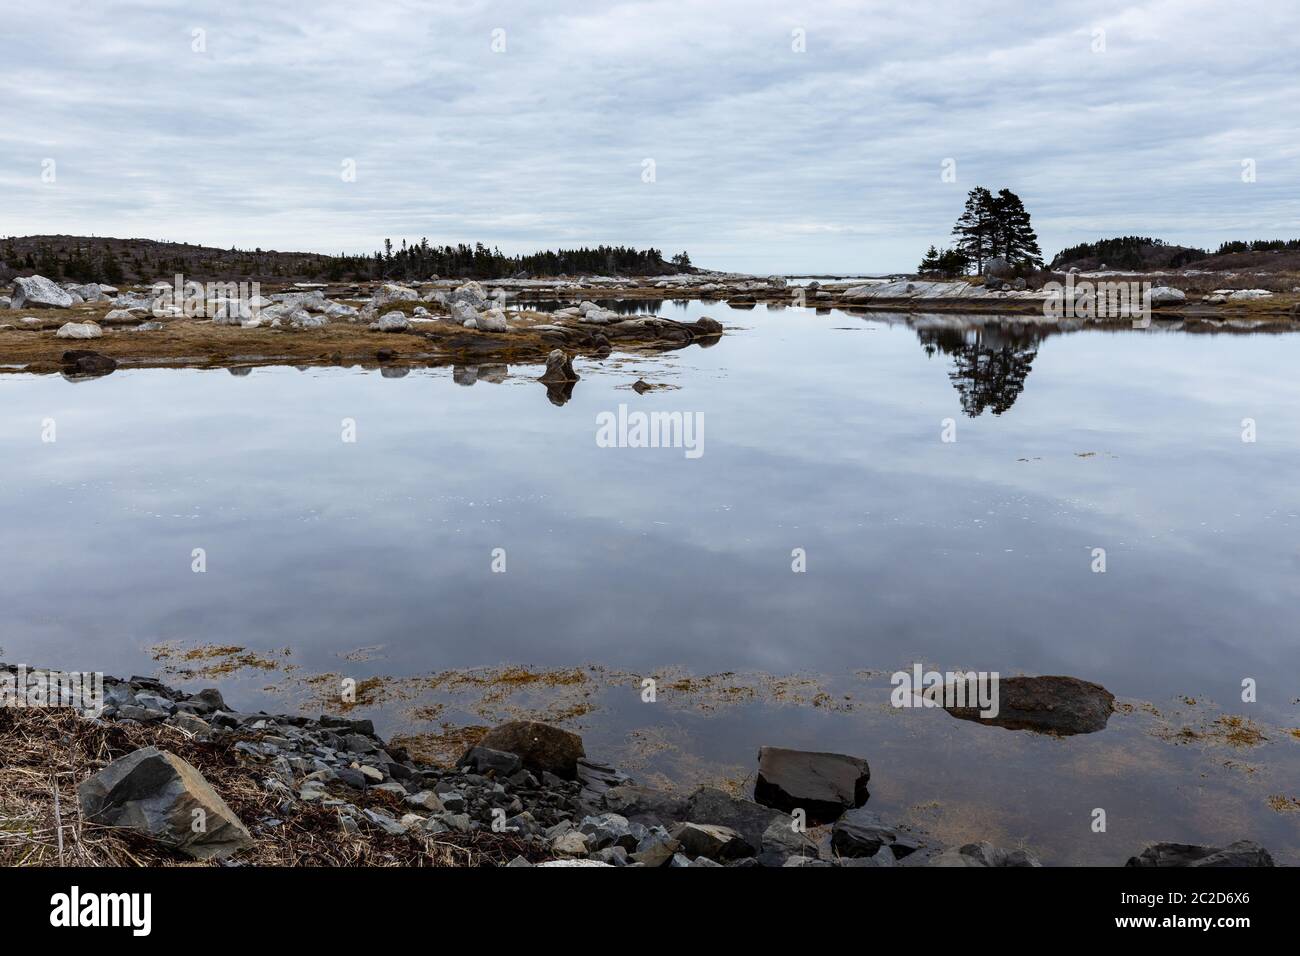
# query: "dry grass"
47,753
200,343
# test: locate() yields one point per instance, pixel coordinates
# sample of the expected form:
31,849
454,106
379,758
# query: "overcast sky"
785,136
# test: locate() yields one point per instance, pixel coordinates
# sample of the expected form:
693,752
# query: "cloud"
766,159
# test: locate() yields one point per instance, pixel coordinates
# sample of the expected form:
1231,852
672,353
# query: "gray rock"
997,267
491,320
749,819
711,840
391,292
656,848
484,759
38,292
1164,295
161,796
861,833
645,805
573,863
781,841
392,322
79,330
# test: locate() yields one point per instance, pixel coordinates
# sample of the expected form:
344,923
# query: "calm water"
822,432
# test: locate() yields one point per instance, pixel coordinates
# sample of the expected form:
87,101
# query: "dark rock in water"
1049,705
640,386
559,368
707,326
711,841
983,854
163,797
749,819
823,785
482,759
385,355
87,362
1241,853
541,747
861,833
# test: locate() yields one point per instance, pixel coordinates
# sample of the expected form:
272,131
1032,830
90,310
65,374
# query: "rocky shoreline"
444,321
328,791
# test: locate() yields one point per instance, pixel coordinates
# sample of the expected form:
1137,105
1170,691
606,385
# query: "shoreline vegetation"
124,788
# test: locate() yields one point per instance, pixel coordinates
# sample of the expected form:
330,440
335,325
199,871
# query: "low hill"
112,260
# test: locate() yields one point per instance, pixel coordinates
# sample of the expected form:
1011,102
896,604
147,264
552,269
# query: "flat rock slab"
1050,705
823,785
161,796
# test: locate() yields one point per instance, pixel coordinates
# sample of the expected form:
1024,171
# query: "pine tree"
1015,239
931,261
976,228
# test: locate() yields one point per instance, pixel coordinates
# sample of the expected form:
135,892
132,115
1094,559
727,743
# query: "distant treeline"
1137,252
85,259
423,260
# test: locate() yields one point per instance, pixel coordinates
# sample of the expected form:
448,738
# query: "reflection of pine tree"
989,367
990,378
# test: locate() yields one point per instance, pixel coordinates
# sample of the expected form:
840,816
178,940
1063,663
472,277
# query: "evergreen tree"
1014,236
975,229
931,261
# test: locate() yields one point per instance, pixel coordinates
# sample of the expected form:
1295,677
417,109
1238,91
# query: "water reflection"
990,365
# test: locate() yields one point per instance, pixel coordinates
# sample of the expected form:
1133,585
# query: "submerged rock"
1051,705
86,362
1241,853
168,800
824,785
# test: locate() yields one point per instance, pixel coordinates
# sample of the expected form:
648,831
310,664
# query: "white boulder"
493,320
1164,295
392,322
79,330
38,292
392,292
